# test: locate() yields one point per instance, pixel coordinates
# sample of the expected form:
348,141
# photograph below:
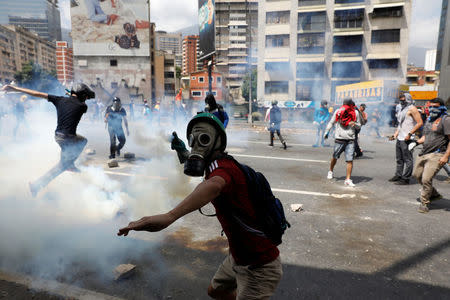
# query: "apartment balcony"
311,5
274,29
386,23
237,53
312,27
277,53
278,6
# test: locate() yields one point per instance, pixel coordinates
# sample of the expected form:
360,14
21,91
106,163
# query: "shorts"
249,282
347,146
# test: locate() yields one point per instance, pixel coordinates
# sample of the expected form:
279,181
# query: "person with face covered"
212,107
252,269
275,124
409,123
435,152
114,115
69,111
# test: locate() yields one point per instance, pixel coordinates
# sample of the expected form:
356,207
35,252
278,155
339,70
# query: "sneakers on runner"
330,175
349,182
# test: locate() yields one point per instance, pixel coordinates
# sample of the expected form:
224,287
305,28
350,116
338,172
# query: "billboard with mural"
110,27
206,21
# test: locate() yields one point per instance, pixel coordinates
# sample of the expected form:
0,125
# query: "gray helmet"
82,91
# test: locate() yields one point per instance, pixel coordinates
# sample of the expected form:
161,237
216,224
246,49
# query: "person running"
114,115
252,269
363,117
409,122
275,119
435,152
69,111
346,121
321,117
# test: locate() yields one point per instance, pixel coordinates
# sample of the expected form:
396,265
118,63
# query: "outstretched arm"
204,193
10,88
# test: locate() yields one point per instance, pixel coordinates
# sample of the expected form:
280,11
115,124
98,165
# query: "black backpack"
269,209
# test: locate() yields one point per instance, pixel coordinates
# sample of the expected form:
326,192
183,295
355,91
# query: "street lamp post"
250,101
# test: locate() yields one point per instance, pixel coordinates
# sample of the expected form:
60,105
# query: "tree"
34,77
178,72
246,85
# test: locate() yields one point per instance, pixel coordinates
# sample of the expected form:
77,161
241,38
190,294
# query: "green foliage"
34,77
246,85
178,72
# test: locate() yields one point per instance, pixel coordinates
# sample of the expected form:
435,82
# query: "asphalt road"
364,242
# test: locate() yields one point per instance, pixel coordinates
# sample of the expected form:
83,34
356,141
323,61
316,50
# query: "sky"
171,15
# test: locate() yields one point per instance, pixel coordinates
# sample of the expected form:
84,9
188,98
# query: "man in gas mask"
252,270
114,115
409,122
69,111
435,153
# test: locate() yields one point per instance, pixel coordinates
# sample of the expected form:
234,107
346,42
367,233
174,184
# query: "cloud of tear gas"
74,219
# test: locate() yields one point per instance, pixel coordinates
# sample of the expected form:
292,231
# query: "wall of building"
199,86
171,43
443,53
310,47
64,63
190,54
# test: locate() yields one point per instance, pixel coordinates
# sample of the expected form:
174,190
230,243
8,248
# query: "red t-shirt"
247,248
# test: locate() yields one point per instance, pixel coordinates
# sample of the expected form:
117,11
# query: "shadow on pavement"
356,179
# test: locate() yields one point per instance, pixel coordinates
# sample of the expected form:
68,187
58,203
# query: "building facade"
20,46
39,16
64,63
199,85
430,60
312,46
190,54
170,43
164,76
443,52
236,38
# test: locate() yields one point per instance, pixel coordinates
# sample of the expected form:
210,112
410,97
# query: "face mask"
203,140
116,106
403,103
435,112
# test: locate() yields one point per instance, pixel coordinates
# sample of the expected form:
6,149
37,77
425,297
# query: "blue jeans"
320,133
95,11
347,146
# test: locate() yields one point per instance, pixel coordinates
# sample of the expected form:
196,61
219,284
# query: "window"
312,21
351,18
196,93
311,2
347,1
201,79
281,40
193,78
348,44
386,36
383,63
276,87
310,70
346,69
387,12
277,66
277,17
303,91
219,80
311,43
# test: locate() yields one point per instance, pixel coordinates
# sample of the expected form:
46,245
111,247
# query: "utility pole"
250,100
210,62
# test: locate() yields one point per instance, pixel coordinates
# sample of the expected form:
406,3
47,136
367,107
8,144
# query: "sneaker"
270,145
423,208
402,182
112,156
349,182
330,175
395,178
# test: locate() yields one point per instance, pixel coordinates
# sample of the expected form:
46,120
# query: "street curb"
55,288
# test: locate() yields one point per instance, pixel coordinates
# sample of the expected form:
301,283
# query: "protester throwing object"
69,111
252,270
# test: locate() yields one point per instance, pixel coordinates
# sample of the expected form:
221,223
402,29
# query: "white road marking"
280,158
132,175
265,143
339,196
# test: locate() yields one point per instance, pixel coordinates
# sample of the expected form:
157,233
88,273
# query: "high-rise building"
40,16
164,76
170,43
236,26
20,46
443,52
64,62
190,54
430,60
308,47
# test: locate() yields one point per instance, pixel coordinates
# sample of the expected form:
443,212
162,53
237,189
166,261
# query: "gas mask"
116,105
403,103
204,139
436,112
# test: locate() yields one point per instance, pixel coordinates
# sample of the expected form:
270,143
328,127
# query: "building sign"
367,92
206,21
116,28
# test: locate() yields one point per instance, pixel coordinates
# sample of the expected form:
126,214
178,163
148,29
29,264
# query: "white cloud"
169,15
